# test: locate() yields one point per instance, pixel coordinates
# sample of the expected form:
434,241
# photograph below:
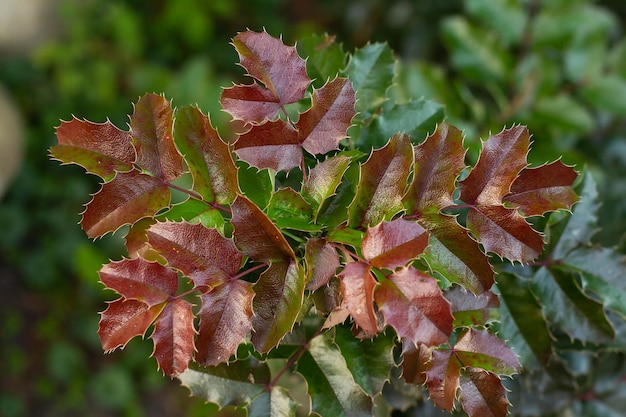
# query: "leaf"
369,360
371,70
334,212
225,321
357,289
194,211
505,232
289,210
202,254
501,160
256,185
209,159
277,66
382,182
326,58
173,337
323,180
124,319
412,303
394,244
235,383
452,253
566,306
153,138
484,350
415,362
325,124
471,310
482,394
101,148
138,279
322,262
137,240
256,235
439,160
276,402
442,378
277,303
273,144
129,197
331,385
523,324
546,188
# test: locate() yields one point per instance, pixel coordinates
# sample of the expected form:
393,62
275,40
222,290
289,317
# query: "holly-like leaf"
277,303
138,279
256,235
289,210
322,262
151,127
209,159
416,361
274,402
382,183
173,337
394,244
101,148
277,66
481,349
482,394
202,254
470,309
137,240
326,58
323,180
332,388
225,321
194,211
273,144
357,289
442,378
412,303
124,319
546,188
129,197
325,124
439,160
455,255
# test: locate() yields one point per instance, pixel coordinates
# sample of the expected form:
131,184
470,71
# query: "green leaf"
606,92
257,185
194,211
335,211
523,324
563,111
331,385
323,180
382,183
273,403
371,70
326,58
289,210
484,350
346,235
567,307
369,360
277,303
209,159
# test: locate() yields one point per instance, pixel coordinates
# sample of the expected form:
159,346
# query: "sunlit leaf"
124,319
357,289
481,349
322,262
394,244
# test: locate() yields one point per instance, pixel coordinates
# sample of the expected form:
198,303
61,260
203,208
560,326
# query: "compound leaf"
101,148
129,197
357,289
412,303
394,244
151,128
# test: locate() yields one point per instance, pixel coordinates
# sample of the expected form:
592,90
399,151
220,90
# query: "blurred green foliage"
558,66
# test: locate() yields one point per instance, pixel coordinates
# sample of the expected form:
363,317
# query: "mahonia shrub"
334,237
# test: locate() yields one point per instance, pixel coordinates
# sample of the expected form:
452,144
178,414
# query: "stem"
248,271
344,249
198,197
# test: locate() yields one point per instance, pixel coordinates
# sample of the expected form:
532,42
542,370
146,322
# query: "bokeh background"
558,66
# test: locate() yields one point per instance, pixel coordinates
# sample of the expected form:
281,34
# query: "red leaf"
277,303
277,66
482,394
251,103
202,254
357,288
505,232
381,185
101,148
173,337
394,244
442,379
273,145
256,235
137,240
501,160
438,162
455,255
542,189
322,262
151,129
138,279
225,321
469,309
412,303
416,360
124,319
325,124
209,158
126,199
481,349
